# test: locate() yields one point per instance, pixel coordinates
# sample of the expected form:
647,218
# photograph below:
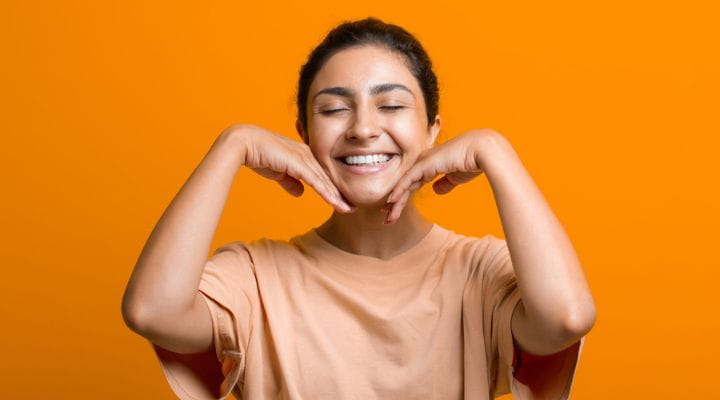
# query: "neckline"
420,253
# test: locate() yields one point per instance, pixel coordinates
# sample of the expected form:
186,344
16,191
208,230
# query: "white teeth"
367,160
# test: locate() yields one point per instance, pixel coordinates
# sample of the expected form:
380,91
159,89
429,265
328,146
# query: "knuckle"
487,134
307,156
305,150
428,175
304,162
291,170
238,127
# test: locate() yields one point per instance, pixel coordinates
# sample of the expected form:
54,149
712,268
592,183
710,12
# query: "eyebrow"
377,89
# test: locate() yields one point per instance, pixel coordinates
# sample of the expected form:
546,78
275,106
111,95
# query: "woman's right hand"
287,162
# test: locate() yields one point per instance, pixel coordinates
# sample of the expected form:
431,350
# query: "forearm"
555,295
167,273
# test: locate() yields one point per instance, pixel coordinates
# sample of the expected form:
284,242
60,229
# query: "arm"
557,308
161,301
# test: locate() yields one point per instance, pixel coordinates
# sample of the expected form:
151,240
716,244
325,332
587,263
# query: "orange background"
107,109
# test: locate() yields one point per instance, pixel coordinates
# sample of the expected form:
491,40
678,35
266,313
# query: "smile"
370,164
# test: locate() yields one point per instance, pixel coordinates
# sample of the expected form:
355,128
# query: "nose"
364,126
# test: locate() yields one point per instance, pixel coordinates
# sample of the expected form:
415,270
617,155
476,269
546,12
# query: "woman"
377,302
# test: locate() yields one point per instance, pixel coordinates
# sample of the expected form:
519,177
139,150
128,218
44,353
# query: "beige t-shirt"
303,319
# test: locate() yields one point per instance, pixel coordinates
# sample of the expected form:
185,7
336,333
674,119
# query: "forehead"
361,67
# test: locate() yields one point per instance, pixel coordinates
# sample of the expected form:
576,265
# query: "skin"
543,258
162,302
556,307
363,121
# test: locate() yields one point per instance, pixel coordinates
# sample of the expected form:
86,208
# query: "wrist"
492,149
233,142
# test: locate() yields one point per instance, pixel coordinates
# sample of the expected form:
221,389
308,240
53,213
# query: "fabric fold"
304,319
211,375
545,377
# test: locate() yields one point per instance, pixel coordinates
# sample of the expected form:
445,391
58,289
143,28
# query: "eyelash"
390,108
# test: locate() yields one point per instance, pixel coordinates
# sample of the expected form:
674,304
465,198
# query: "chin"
367,197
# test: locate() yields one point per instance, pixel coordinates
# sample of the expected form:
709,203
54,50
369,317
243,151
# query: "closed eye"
392,108
388,108
328,112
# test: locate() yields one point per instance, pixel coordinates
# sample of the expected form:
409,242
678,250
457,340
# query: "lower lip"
368,169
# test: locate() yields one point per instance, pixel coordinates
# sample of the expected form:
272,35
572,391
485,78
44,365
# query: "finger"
449,181
322,173
422,173
287,182
443,185
292,185
301,170
397,208
415,186
411,176
345,206
318,177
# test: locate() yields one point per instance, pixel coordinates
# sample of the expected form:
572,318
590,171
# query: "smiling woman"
378,108
377,302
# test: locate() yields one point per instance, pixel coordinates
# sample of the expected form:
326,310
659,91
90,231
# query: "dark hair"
370,31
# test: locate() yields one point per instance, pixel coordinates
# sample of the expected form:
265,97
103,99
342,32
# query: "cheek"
325,130
321,145
410,122
327,125
411,137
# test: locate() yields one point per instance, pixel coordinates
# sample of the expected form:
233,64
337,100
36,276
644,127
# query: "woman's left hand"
459,159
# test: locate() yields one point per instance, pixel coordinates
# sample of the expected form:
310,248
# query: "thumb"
449,181
291,185
443,185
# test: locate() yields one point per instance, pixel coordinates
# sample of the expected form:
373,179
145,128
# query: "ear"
434,130
301,131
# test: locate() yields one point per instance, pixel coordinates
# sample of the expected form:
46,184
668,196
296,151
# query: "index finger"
320,183
422,172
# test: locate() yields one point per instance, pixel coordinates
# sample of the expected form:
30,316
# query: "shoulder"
475,249
257,249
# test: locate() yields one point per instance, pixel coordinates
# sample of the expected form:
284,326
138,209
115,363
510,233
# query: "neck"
364,233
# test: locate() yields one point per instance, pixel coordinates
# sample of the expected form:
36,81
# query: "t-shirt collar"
421,252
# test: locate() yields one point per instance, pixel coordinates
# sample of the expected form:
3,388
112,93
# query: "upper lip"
364,153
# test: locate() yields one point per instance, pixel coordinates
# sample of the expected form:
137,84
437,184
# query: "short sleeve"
229,287
527,376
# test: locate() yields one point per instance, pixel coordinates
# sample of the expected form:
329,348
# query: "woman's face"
365,101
